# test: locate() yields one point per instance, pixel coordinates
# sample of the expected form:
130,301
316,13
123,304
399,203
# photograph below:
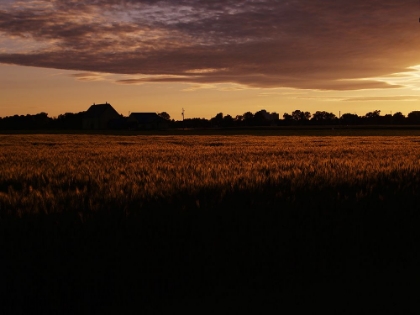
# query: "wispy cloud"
89,76
304,44
384,98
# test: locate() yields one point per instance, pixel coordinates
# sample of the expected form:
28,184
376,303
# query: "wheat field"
61,173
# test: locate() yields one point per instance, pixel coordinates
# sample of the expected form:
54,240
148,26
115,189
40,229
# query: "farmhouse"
98,116
147,121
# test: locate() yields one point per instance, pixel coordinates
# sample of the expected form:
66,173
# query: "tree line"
301,118
74,121
41,121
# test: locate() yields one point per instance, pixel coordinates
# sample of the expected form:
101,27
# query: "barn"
98,116
147,121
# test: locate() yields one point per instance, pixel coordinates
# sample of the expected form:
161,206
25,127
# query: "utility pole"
183,124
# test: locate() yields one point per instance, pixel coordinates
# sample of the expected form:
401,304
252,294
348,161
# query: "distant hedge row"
74,121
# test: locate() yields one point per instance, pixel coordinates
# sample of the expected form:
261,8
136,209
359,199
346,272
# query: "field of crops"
50,174
170,218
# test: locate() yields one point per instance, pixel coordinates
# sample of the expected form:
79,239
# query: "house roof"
146,118
98,110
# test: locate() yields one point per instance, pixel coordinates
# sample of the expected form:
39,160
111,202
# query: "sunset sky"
229,56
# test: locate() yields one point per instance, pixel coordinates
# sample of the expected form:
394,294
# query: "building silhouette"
98,116
147,121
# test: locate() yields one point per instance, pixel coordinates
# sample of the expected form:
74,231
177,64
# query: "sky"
229,56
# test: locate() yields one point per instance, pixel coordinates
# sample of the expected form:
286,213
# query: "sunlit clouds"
299,43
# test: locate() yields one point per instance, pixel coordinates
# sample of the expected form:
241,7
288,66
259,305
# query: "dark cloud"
260,43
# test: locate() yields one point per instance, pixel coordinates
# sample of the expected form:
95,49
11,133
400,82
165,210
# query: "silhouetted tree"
261,118
398,118
350,119
414,117
248,118
69,121
372,117
287,117
301,116
41,120
323,117
227,121
217,120
287,120
239,119
275,116
165,115
386,119
374,114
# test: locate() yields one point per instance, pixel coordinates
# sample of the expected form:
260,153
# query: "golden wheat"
56,173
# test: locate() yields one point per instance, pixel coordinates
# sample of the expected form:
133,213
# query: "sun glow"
409,79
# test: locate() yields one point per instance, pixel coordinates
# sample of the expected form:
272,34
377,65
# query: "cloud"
384,98
304,44
88,76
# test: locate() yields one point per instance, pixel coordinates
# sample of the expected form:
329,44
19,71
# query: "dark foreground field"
106,225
